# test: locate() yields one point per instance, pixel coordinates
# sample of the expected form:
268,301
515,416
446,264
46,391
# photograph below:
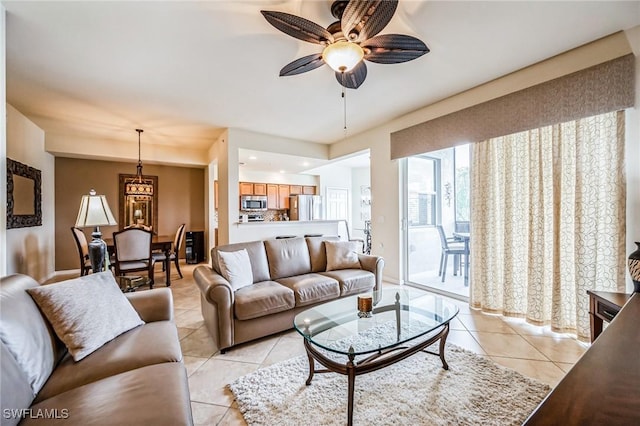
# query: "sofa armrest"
373,264
214,287
152,305
218,314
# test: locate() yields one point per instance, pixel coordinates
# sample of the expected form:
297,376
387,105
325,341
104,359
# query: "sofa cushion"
153,395
312,288
15,392
342,255
25,332
235,266
152,343
353,281
86,312
263,298
257,254
287,257
318,252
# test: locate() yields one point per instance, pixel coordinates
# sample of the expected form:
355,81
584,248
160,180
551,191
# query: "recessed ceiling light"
306,163
282,171
253,157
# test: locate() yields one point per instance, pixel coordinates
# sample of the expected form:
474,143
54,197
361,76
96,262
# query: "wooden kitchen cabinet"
259,189
272,196
277,194
283,196
246,188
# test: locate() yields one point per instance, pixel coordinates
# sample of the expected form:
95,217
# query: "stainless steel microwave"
253,203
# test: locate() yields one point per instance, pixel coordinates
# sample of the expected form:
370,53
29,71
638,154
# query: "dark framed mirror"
24,195
138,211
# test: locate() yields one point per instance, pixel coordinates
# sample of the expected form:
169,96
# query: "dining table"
465,237
162,243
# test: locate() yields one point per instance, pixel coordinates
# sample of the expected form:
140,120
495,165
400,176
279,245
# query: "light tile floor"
533,351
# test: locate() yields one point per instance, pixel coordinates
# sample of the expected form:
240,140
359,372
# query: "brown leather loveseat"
288,276
137,378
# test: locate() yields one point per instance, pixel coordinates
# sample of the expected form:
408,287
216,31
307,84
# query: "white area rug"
415,391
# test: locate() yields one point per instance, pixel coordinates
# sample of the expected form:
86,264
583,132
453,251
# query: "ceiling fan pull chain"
344,98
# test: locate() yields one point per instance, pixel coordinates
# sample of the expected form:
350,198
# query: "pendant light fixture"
137,186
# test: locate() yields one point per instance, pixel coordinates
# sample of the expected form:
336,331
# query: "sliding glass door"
436,189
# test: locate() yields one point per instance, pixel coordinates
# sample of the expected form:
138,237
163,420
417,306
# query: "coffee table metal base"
374,362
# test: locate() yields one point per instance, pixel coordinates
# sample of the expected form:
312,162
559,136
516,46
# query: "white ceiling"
184,71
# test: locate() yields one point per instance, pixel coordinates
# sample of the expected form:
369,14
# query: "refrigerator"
305,207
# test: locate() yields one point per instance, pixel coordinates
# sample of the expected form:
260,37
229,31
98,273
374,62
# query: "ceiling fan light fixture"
342,56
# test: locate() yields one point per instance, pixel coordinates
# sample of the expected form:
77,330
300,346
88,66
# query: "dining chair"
175,253
360,241
449,247
83,250
145,227
132,249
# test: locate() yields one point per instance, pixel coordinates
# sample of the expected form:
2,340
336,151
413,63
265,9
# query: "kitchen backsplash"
269,215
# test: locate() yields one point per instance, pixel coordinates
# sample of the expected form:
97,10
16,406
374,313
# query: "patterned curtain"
548,221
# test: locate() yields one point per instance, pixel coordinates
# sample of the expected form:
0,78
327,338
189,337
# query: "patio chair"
449,247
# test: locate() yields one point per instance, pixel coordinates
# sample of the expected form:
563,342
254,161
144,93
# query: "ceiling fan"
349,40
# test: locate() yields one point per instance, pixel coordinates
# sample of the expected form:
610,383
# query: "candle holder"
307,322
365,306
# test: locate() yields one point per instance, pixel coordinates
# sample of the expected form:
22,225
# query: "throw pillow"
236,268
86,312
342,255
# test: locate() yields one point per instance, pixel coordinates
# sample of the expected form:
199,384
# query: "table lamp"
94,211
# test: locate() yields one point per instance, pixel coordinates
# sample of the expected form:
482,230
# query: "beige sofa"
289,275
138,378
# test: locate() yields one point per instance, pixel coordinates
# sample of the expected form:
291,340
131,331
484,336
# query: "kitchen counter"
252,231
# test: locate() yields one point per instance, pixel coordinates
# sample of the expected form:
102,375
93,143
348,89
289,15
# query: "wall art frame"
16,168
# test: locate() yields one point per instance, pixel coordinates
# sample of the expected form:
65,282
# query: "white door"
338,209
337,204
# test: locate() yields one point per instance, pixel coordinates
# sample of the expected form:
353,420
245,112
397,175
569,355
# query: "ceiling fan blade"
298,27
354,78
363,19
304,64
393,48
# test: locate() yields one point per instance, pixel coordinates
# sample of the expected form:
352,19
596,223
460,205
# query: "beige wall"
30,250
181,198
73,145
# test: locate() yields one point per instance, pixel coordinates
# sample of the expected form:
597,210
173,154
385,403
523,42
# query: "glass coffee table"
346,341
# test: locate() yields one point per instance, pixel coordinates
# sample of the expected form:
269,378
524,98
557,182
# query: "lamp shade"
94,211
342,56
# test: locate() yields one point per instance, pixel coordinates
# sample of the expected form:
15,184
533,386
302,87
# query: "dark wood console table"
604,306
602,387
